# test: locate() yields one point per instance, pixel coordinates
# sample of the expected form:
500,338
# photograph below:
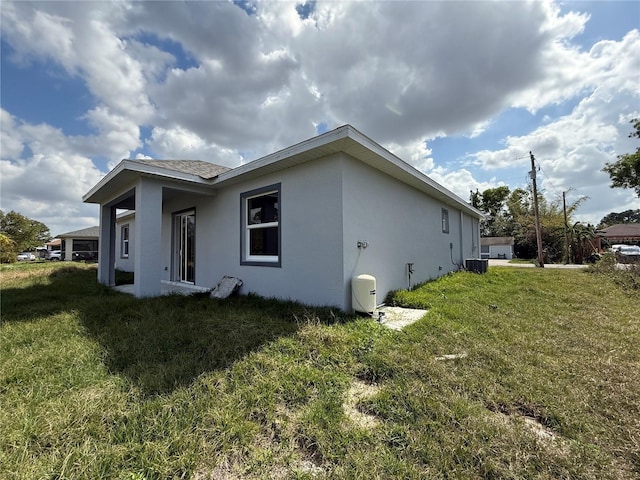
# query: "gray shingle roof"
206,170
621,230
497,241
91,232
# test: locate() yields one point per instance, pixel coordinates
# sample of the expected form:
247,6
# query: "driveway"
505,263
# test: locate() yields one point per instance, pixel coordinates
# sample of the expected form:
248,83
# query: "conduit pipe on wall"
461,238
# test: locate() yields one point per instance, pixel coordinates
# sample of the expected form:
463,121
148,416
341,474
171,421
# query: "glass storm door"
186,246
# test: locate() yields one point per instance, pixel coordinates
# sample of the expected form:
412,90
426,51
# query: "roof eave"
349,140
93,195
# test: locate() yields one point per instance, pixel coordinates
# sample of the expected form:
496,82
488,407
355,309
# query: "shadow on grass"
160,344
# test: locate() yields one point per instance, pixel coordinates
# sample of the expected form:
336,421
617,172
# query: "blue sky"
461,90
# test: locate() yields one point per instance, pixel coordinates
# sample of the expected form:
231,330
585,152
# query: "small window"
260,244
124,241
445,220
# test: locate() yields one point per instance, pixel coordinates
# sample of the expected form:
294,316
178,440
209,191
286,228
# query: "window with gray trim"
445,220
260,226
124,241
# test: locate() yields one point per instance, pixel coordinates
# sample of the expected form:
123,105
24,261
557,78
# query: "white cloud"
417,154
79,38
48,183
178,143
461,182
402,73
573,149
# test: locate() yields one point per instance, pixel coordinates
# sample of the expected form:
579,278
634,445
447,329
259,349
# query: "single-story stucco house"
80,244
621,233
497,247
297,224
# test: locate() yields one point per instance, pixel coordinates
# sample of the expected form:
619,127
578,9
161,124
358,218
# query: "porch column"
147,247
68,250
106,246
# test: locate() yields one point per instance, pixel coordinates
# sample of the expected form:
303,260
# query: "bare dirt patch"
358,391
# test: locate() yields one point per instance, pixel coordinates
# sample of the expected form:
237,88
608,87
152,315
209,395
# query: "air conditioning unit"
476,265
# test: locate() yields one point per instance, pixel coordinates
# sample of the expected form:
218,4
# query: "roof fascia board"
346,133
126,214
143,169
104,180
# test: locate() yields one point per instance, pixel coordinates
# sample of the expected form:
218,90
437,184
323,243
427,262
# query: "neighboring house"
621,233
55,244
497,247
297,224
80,244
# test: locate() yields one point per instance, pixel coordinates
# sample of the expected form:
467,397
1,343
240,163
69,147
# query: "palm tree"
582,237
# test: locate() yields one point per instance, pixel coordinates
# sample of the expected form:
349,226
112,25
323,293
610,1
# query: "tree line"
510,214
20,234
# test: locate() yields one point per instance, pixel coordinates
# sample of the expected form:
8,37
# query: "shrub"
625,275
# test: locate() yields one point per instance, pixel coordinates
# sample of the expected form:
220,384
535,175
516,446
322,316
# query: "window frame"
445,220
124,242
245,228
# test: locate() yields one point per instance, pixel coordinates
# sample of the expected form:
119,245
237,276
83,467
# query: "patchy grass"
519,373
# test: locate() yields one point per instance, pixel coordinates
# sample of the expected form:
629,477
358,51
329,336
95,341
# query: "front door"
185,241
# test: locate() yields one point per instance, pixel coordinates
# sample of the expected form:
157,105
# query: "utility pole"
535,207
566,228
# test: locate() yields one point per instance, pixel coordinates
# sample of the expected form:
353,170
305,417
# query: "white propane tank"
363,293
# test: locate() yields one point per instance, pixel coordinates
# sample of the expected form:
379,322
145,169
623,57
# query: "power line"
555,189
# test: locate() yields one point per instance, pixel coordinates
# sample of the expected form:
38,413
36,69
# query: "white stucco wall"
401,225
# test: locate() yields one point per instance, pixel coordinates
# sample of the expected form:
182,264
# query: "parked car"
627,253
26,257
55,255
82,256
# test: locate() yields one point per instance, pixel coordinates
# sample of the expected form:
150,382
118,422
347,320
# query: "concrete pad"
167,288
397,318
493,262
451,356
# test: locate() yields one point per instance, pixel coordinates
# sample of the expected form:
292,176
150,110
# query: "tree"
8,250
521,217
581,241
510,214
625,173
613,218
492,202
25,233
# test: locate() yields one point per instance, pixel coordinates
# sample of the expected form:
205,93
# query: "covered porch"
158,246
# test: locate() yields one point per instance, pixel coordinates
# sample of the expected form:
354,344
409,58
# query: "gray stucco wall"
122,263
401,225
311,229
327,206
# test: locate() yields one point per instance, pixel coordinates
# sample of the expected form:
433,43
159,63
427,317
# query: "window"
260,219
445,220
184,260
124,241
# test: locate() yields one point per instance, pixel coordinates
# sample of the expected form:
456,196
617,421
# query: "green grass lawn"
519,373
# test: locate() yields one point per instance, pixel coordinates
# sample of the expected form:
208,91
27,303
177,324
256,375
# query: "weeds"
626,275
518,373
